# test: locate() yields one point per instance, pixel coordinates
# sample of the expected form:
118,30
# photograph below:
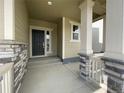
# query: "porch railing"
6,77
97,74
92,69
97,69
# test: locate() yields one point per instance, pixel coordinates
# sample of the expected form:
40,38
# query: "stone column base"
16,53
85,63
115,71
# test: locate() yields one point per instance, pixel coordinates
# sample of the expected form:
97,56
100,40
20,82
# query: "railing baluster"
5,78
96,69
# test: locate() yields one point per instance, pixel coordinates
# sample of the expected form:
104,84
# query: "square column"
86,26
86,37
9,19
114,52
115,29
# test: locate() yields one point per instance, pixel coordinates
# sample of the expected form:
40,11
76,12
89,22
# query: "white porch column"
86,26
114,53
86,38
9,19
115,29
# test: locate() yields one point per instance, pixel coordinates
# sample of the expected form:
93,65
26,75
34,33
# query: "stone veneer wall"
115,71
85,63
16,52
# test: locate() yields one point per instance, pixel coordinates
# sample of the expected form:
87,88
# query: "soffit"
39,9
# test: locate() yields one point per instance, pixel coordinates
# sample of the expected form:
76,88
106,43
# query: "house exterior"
61,39
43,32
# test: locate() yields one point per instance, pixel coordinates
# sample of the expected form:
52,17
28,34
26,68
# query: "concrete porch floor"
54,77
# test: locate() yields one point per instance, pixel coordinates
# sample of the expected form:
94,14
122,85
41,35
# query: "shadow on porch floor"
55,77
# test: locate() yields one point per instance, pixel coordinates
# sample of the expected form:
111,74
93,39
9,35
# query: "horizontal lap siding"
21,21
71,48
1,19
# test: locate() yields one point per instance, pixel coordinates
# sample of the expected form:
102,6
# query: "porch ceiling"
39,9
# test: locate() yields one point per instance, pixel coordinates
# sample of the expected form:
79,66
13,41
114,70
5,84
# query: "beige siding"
53,26
1,19
59,37
21,21
71,48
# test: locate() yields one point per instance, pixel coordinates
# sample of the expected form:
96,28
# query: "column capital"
86,3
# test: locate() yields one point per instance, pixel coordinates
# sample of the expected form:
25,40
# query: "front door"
38,42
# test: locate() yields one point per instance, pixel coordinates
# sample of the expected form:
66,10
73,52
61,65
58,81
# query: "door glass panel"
48,41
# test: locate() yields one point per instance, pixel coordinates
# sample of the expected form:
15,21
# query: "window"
75,31
48,41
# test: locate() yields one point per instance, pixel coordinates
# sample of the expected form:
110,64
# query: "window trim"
77,24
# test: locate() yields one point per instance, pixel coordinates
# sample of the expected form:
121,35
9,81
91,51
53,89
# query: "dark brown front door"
38,42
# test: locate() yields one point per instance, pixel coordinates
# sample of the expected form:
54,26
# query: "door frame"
30,39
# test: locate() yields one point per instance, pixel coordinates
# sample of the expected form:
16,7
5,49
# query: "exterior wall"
21,21
53,26
1,19
59,37
97,47
71,48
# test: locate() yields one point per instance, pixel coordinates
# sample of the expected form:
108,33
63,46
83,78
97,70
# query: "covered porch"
47,46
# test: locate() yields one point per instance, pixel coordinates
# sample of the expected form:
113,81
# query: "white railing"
97,69
6,78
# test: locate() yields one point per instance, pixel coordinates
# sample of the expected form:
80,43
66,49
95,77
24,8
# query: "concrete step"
42,61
